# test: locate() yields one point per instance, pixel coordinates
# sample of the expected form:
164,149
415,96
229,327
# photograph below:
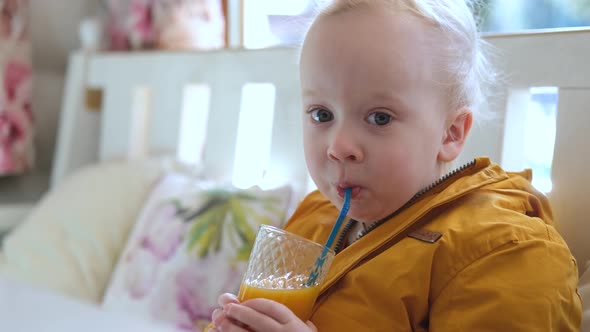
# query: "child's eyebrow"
309,93
390,96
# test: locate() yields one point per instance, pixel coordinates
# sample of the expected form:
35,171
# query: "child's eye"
379,118
321,115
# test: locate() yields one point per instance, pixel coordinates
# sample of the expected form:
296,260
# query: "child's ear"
455,135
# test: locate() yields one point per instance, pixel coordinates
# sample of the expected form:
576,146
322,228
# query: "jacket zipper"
412,200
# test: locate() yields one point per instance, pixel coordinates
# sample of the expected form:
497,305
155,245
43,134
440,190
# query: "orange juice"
300,300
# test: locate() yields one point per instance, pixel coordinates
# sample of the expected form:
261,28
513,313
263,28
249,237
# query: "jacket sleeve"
526,285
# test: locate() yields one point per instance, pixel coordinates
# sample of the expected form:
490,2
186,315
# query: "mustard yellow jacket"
500,264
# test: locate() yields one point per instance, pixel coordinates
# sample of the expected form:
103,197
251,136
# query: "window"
511,15
539,135
141,113
193,124
253,145
269,23
529,136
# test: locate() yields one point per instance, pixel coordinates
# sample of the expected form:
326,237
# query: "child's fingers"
217,316
226,298
227,324
251,318
272,309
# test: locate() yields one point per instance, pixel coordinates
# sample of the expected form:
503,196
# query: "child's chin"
354,213
361,214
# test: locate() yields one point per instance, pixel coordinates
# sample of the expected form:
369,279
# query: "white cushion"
71,240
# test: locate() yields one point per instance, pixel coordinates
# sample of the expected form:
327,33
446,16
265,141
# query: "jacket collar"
480,173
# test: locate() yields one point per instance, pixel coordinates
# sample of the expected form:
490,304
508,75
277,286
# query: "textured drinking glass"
279,269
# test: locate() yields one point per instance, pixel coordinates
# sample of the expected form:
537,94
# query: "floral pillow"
190,244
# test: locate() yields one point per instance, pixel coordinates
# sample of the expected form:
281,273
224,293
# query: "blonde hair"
466,53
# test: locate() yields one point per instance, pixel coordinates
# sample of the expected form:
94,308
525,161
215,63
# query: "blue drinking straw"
320,261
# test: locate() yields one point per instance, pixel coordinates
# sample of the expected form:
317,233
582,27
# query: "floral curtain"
16,116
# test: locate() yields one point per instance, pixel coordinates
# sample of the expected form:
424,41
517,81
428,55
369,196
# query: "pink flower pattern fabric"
164,24
129,24
16,115
165,233
190,243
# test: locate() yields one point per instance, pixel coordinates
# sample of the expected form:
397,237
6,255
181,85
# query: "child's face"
375,118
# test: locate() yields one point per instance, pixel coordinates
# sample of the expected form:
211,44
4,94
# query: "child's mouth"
355,191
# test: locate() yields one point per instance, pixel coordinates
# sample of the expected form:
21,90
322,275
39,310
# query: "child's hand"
218,316
256,315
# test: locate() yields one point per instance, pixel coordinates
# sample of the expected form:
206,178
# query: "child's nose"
344,148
